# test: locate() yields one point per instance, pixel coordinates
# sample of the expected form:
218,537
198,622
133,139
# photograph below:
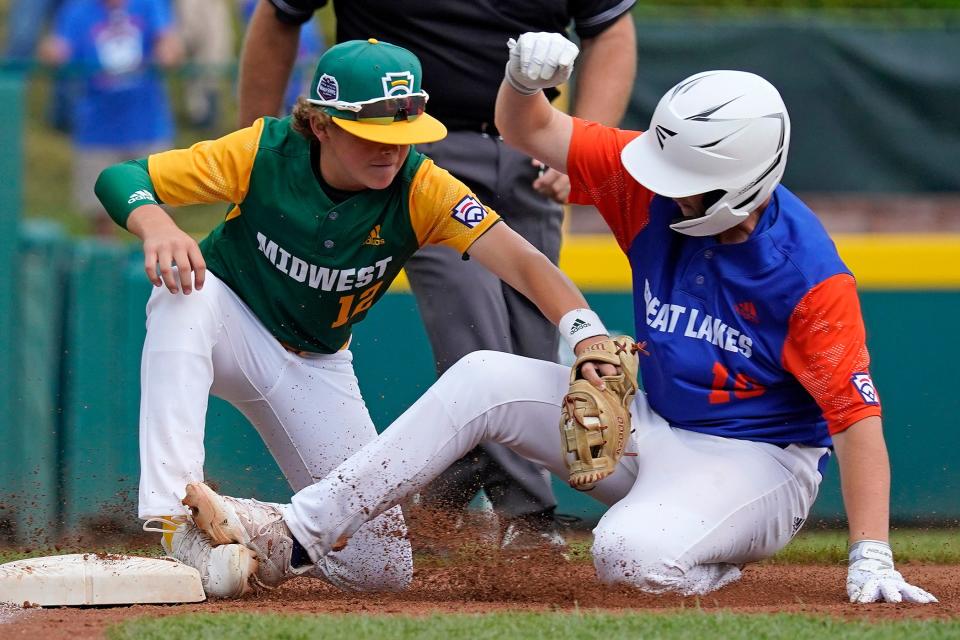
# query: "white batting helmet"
725,131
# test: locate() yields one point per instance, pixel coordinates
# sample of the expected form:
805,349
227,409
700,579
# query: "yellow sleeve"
443,211
209,171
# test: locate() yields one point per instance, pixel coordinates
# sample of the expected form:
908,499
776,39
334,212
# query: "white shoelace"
276,517
177,522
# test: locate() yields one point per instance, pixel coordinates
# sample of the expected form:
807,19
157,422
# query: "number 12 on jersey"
743,386
348,309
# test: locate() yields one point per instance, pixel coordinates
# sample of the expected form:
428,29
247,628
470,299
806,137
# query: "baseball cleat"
226,571
256,525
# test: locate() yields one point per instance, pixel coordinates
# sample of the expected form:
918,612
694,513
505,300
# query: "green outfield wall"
70,437
872,101
11,171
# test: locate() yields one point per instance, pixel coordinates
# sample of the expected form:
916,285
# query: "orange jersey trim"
598,177
826,351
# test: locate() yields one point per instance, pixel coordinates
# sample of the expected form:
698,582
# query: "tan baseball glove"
595,424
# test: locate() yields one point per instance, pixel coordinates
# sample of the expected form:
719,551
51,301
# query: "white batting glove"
872,578
539,61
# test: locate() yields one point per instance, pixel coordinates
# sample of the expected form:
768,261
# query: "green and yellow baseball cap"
372,90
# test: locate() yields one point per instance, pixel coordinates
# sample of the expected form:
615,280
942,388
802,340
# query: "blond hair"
304,114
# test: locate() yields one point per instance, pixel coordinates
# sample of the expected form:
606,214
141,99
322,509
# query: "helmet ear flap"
717,219
729,209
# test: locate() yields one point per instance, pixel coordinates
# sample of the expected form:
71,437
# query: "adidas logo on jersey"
747,311
579,324
374,239
141,194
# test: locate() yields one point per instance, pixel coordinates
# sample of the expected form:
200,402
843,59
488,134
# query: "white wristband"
875,550
518,86
578,324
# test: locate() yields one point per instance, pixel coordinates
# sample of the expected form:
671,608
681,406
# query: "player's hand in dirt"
551,183
872,578
165,246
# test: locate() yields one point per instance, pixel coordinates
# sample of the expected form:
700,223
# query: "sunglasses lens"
400,108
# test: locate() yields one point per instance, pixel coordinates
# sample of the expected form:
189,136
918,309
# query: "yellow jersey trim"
209,171
444,211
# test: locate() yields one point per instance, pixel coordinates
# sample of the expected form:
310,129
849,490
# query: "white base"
90,579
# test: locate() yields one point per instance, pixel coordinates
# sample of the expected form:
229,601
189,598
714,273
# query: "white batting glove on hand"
872,578
539,61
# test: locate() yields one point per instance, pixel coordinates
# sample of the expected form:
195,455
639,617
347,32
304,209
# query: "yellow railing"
879,261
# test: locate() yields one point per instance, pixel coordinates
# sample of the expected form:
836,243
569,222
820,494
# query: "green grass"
938,546
549,626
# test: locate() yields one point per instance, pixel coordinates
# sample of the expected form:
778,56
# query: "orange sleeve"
826,351
598,177
444,211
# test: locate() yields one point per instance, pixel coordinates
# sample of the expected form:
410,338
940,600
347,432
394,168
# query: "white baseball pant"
685,512
308,410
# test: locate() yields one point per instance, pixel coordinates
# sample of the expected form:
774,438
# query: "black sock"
299,557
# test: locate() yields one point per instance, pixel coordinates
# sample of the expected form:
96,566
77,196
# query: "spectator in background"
460,44
25,22
206,31
309,47
122,109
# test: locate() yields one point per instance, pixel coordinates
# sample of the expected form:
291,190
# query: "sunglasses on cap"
381,110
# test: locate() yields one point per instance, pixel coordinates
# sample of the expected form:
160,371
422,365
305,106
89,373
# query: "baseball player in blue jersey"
754,362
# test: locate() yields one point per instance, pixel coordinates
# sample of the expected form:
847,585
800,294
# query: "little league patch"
469,211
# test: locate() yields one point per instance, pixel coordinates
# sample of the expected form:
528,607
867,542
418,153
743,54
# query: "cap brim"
424,129
645,161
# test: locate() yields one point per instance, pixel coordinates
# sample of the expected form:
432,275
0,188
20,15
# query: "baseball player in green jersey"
326,205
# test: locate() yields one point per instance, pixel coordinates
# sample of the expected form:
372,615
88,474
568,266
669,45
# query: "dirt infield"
524,584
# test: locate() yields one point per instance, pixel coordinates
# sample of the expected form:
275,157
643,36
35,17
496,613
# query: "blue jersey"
122,100
760,340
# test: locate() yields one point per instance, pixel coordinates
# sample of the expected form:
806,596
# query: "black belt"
303,353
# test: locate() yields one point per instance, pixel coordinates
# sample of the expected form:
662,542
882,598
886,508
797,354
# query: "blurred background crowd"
113,80
118,79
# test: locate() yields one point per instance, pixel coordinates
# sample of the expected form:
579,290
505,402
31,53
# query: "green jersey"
309,268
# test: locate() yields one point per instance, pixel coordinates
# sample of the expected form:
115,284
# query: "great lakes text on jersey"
668,318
